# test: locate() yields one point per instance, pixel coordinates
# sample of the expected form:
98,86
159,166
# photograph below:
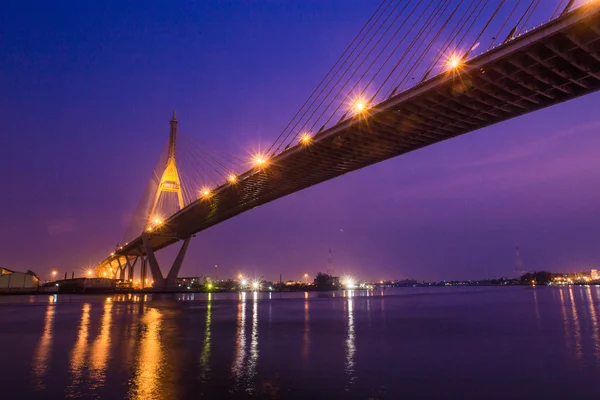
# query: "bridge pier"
121,269
160,282
143,268
171,282
157,276
130,268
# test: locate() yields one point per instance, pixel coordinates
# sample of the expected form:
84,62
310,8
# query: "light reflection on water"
350,346
594,318
576,325
146,380
42,354
306,335
101,348
205,356
137,347
78,354
240,340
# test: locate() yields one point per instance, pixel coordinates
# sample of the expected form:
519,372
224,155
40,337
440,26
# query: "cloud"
56,227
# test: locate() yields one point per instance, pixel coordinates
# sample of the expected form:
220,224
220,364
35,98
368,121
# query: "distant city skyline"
88,91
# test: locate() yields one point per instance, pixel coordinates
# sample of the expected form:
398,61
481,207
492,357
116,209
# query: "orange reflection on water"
146,384
306,337
593,315
42,354
563,309
78,354
576,325
101,348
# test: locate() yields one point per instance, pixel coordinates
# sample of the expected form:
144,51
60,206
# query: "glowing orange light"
206,192
232,178
259,160
454,61
305,138
359,106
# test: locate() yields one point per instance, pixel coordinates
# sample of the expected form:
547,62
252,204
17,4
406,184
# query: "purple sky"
87,90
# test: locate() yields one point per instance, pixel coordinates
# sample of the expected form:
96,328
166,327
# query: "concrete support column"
130,268
143,272
157,276
171,282
121,269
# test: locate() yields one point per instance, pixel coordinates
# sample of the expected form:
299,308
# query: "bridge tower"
169,181
519,269
330,269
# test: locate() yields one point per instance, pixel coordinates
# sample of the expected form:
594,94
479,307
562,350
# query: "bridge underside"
557,62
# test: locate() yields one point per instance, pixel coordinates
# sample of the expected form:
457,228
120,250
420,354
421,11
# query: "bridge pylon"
169,181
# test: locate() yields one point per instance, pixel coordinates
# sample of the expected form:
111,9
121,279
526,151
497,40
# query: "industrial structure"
18,282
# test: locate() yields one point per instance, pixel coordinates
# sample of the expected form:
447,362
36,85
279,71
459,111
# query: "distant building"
190,281
594,274
326,282
15,282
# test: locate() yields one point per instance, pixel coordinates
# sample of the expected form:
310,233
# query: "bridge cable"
406,74
504,24
212,157
537,3
349,79
393,52
558,7
444,50
459,42
326,76
348,69
441,11
516,28
484,29
349,92
396,85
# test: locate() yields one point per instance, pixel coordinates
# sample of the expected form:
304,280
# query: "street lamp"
54,275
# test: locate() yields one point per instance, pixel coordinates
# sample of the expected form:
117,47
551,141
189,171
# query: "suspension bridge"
417,73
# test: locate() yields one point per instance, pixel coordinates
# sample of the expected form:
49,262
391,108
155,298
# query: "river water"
467,343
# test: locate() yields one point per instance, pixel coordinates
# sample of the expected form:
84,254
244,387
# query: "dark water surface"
446,343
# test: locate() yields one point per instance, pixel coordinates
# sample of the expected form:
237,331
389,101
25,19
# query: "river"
412,343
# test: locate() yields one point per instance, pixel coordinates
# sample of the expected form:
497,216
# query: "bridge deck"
549,65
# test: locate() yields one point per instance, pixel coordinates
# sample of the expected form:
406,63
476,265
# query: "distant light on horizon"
349,282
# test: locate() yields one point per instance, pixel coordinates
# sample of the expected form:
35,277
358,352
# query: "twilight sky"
87,90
